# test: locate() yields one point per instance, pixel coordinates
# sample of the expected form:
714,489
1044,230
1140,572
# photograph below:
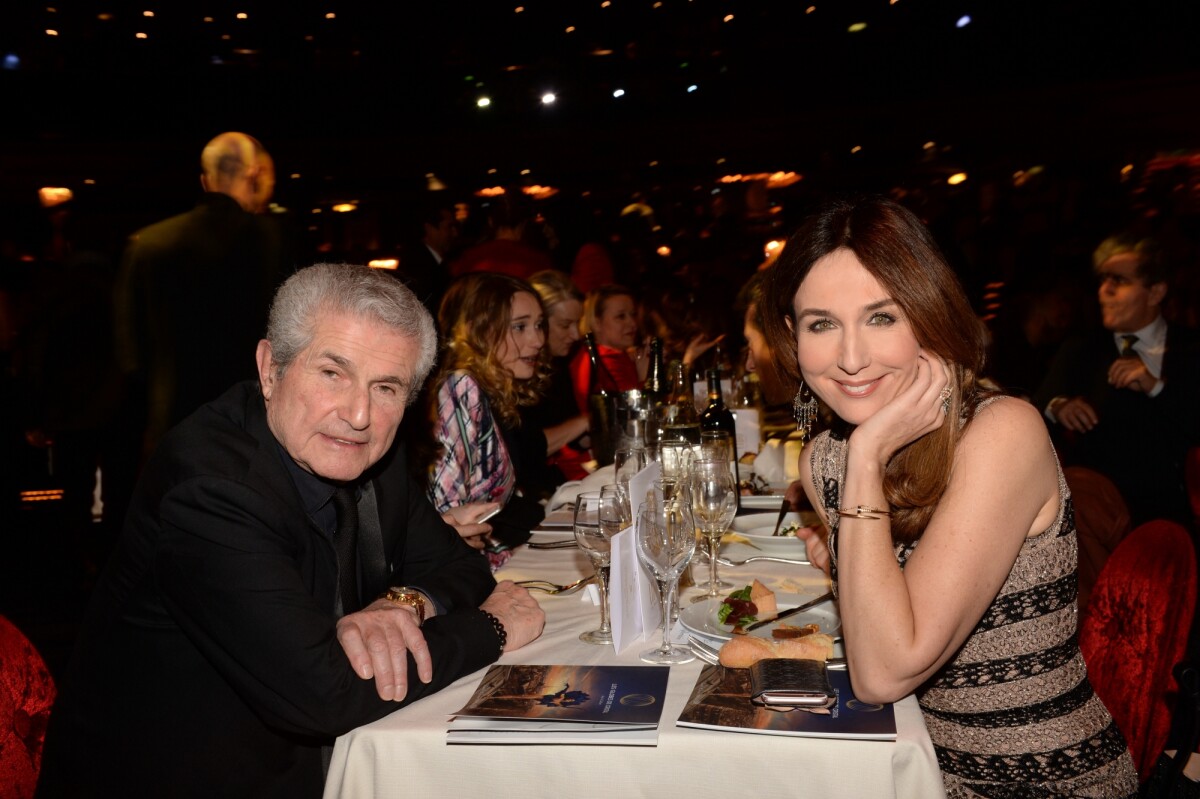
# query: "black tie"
345,541
1127,347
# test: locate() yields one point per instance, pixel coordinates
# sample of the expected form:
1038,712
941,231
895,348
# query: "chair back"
1101,521
1135,631
26,694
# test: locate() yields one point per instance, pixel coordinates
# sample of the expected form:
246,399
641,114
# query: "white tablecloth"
406,754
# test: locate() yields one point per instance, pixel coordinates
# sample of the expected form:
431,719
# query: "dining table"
406,753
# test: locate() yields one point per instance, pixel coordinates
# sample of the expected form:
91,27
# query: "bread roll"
742,651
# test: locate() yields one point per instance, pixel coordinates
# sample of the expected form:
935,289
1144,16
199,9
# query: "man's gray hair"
347,289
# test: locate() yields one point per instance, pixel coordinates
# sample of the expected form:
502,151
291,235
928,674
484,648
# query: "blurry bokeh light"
957,178
50,196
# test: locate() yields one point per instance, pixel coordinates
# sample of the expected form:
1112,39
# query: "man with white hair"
280,579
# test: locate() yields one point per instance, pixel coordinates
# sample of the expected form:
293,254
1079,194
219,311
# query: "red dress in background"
619,365
623,370
501,255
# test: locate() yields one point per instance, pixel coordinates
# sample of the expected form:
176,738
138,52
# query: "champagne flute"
666,540
714,503
593,539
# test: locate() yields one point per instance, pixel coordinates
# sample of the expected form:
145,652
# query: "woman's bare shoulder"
1005,416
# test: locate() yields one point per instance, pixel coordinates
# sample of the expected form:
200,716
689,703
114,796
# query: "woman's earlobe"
787,320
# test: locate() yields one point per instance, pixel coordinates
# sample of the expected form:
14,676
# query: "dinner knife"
566,543
812,603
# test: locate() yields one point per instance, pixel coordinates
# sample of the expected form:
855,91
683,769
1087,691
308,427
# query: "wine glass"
666,540
593,538
614,509
675,458
714,503
627,463
716,445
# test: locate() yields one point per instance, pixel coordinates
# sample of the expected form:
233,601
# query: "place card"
633,602
746,423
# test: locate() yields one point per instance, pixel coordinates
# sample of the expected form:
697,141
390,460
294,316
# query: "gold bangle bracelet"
863,512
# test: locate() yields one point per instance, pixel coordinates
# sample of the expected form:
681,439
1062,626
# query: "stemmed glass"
714,503
627,463
593,529
666,540
675,458
716,445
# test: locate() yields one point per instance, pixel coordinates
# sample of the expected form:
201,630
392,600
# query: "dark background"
364,105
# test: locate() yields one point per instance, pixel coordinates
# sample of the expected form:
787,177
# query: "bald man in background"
193,292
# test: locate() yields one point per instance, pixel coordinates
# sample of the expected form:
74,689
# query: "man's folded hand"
377,640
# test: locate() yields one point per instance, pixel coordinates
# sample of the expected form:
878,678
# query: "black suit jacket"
208,664
1140,442
191,304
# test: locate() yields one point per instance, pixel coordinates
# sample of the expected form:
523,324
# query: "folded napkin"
779,460
566,493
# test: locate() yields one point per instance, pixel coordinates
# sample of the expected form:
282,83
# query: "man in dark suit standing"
1123,401
280,579
193,290
423,266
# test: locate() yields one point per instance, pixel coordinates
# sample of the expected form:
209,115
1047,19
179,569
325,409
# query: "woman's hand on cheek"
912,413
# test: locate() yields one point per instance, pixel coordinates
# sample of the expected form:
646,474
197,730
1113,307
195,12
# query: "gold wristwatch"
403,595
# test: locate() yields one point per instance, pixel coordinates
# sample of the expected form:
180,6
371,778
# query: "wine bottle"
656,381
716,416
719,419
680,420
602,404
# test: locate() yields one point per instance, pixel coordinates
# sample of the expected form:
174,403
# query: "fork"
554,588
772,559
704,651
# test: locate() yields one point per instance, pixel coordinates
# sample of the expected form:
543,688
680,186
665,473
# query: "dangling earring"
804,408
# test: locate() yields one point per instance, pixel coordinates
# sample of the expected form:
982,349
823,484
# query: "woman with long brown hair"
492,364
951,537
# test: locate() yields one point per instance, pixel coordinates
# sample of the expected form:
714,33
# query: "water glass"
593,538
666,539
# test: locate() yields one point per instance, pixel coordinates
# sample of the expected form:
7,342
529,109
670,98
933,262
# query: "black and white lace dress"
1012,714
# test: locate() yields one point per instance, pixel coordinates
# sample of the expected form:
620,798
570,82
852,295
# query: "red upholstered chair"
1101,521
1135,631
26,694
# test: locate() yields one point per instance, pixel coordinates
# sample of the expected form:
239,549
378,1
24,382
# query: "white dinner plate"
557,521
701,618
761,501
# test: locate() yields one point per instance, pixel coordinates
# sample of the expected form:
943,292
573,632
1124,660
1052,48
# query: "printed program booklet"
721,701
619,705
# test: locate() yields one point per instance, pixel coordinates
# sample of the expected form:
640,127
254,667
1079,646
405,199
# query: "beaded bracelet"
863,512
498,626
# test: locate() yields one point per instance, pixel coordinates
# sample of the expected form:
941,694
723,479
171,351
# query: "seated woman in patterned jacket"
493,363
